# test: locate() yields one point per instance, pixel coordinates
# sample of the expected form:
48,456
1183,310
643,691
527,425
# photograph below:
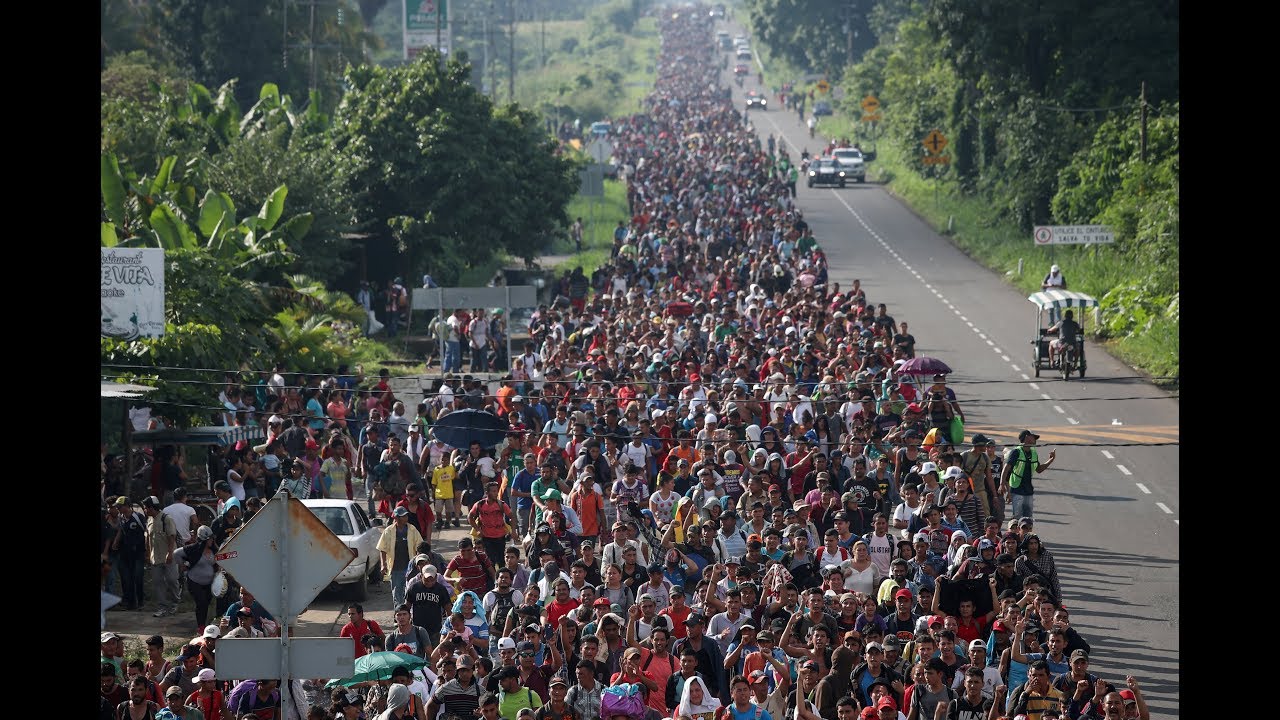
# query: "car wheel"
360,588
841,183
810,183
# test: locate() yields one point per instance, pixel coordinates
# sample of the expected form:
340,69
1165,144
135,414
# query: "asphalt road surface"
1109,507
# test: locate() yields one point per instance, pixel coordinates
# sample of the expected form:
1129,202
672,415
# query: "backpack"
1015,455
133,535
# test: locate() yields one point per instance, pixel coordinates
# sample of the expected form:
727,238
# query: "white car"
347,520
852,162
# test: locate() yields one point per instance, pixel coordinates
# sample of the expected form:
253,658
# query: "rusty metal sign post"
285,555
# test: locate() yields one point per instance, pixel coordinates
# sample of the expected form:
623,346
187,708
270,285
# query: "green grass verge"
1000,246
583,77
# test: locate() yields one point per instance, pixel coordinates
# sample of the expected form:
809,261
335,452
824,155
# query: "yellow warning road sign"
935,141
870,104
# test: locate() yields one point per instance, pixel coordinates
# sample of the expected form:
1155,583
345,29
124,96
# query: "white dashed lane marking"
1165,508
1108,455
1143,488
1059,410
1073,421
1124,470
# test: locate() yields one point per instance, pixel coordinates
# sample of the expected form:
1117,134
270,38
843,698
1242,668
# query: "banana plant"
161,212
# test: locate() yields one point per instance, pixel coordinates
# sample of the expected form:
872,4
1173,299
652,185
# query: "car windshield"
849,154
334,518
826,164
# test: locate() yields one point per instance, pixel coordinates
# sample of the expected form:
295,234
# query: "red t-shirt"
969,633
352,631
557,610
210,707
473,574
678,629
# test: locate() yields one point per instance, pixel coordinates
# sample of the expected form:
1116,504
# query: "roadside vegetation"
1039,134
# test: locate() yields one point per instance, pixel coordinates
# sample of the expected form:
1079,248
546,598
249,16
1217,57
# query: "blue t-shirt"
523,482
1055,668
750,713
315,409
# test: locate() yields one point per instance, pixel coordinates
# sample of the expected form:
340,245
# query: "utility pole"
511,52
1142,131
311,49
542,11
488,64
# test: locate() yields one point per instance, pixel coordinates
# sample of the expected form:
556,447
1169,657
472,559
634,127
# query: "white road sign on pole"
600,150
315,556
1072,235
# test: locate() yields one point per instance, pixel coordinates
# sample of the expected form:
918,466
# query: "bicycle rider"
1068,331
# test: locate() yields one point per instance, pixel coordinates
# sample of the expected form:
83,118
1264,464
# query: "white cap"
274,419
212,631
952,472
977,644
927,468
710,417
506,643
1055,268
429,570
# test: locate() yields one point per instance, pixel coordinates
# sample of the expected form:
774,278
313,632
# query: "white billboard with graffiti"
132,292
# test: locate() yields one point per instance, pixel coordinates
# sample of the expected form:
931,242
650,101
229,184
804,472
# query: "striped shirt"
473,574
457,700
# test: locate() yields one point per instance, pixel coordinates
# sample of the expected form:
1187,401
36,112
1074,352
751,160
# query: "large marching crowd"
723,494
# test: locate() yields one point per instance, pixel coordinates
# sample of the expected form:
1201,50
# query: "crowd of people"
719,496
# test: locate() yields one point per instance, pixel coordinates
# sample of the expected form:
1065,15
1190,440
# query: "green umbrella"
378,666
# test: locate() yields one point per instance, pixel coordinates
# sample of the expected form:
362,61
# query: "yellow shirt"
442,480
1037,704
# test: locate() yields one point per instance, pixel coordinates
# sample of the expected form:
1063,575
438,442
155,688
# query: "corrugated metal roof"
124,390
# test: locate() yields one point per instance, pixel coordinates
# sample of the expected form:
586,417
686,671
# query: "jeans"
131,580
523,516
479,359
393,323
397,587
164,577
1024,506
452,356
203,595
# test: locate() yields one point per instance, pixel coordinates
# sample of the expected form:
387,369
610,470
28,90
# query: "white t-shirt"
485,464
237,484
904,513
181,514
638,455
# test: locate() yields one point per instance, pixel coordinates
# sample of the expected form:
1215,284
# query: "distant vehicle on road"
852,162
741,69
347,520
601,128
744,55
756,100
826,171
821,108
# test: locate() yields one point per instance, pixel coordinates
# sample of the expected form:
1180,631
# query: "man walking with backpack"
131,543
1020,464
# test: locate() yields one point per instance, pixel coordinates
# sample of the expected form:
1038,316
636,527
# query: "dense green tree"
439,170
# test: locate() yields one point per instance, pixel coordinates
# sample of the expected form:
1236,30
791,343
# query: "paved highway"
1109,507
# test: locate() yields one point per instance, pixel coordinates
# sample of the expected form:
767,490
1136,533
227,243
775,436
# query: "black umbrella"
462,427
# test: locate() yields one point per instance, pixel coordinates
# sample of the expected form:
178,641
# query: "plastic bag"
624,699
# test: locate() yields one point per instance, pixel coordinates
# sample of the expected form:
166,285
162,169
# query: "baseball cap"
212,631
696,619
429,571
557,680
1128,696
886,701
927,468
109,636
402,511
655,568
873,646
465,661
1079,654
757,676
506,643
601,602
1025,521
206,675
952,472
1022,436
903,593
978,644
177,689
920,537
524,646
